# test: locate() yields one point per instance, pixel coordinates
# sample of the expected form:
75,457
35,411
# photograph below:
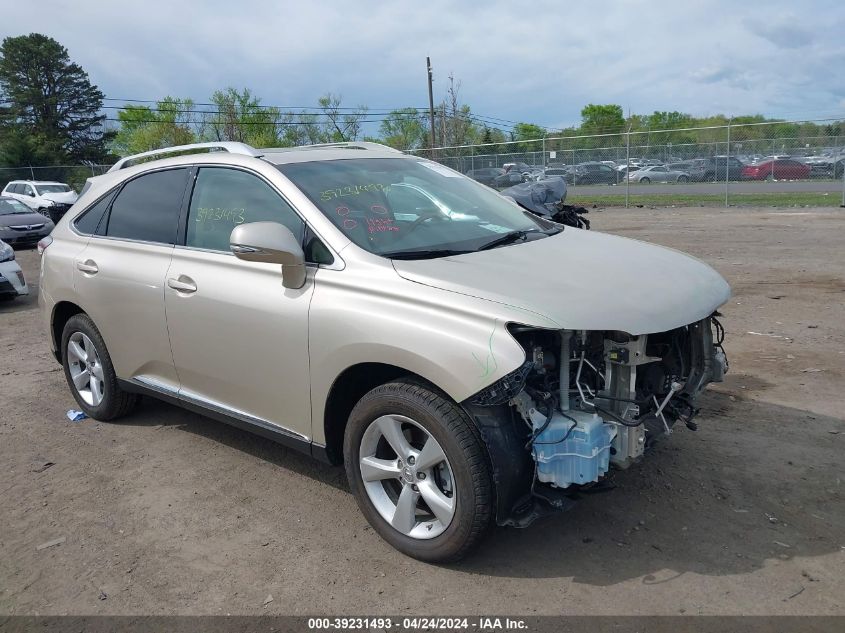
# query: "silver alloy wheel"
407,476
86,369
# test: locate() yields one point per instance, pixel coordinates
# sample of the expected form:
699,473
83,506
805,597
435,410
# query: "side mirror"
270,243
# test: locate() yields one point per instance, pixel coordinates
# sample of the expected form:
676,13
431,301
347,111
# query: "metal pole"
727,162
627,165
430,103
843,180
544,150
31,173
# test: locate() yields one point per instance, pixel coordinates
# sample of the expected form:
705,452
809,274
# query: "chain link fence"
73,175
794,163
777,163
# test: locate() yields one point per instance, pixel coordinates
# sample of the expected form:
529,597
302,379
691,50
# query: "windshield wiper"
423,254
507,238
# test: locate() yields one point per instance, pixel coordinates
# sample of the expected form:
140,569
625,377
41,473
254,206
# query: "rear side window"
147,208
88,222
224,198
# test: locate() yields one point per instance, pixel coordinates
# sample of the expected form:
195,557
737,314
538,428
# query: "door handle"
89,267
182,284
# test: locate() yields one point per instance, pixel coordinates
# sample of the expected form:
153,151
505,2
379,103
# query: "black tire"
683,179
644,180
116,402
447,423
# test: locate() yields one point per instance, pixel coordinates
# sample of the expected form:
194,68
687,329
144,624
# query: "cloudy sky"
521,61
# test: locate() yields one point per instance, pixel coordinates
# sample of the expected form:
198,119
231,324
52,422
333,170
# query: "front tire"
419,471
644,181
89,371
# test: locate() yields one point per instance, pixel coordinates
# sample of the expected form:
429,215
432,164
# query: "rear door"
239,337
120,275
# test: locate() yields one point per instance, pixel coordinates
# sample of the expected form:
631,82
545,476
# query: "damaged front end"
585,401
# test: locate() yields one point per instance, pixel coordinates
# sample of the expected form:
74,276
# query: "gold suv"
469,362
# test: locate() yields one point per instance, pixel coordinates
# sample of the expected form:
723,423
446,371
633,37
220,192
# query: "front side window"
402,207
147,208
224,198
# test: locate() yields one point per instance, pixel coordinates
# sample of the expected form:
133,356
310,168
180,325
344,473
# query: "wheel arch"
62,312
346,390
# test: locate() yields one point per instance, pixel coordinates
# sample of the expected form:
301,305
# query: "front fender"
460,344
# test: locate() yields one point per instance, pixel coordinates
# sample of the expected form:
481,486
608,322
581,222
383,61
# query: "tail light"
43,244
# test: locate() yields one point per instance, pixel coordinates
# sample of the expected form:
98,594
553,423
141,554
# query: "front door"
239,337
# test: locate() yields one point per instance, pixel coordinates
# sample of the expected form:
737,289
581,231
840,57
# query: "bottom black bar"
407,624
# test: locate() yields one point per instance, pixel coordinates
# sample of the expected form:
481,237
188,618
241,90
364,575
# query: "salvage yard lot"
170,513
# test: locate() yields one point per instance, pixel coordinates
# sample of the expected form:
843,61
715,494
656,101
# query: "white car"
52,199
12,282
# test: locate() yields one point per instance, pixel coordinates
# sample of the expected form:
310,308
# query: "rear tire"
683,179
644,181
89,371
445,487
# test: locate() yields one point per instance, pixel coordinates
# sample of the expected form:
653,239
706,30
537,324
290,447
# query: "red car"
779,169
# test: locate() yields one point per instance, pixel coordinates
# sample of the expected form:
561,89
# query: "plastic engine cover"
582,457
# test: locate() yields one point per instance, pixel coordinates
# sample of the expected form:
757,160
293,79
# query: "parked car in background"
486,175
557,172
825,165
776,169
658,173
52,199
12,282
20,225
593,173
517,166
696,168
510,178
717,167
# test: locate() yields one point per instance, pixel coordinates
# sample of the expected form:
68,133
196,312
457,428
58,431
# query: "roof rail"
340,145
221,146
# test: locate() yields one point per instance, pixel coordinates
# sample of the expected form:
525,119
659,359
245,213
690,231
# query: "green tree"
403,129
143,128
528,132
602,119
338,127
53,111
239,116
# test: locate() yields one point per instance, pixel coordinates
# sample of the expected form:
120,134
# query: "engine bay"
587,401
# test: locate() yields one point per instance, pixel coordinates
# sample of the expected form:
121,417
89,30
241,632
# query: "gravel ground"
171,513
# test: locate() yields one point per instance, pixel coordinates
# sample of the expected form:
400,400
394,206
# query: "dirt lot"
171,513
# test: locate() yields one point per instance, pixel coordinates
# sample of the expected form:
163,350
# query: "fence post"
544,150
31,173
728,163
627,165
843,181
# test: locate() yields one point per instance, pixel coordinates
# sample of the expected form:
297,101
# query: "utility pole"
430,104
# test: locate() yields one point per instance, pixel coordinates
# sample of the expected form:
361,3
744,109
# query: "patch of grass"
797,199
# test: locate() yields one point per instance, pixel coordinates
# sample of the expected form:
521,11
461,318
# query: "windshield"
42,189
8,207
398,205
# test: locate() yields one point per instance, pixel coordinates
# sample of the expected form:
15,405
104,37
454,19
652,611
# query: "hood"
583,280
68,197
23,219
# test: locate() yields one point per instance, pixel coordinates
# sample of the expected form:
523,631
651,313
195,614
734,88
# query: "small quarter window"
88,222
